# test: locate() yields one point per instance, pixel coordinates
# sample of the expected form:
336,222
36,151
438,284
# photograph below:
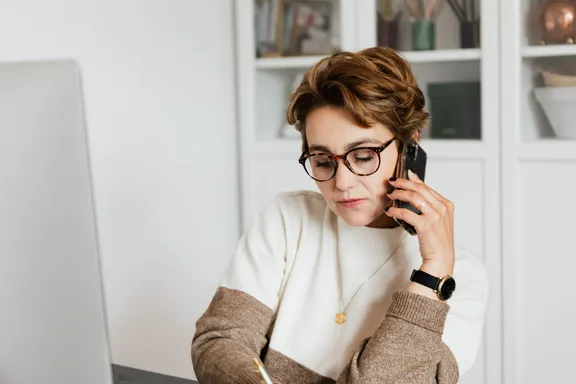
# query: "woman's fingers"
407,215
435,226
414,198
419,192
413,176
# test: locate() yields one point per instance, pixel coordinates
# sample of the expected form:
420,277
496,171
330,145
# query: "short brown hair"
375,85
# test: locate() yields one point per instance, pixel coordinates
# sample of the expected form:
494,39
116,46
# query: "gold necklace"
341,316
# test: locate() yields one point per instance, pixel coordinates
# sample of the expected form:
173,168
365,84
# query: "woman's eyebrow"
320,148
323,148
361,142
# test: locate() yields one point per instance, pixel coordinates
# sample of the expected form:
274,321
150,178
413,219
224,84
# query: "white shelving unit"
497,183
548,51
444,56
536,238
548,150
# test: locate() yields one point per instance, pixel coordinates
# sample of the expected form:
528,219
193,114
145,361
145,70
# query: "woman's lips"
351,203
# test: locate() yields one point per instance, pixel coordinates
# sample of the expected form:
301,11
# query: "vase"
556,21
470,34
387,32
423,35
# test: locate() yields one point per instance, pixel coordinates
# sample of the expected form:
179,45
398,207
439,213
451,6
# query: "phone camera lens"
411,152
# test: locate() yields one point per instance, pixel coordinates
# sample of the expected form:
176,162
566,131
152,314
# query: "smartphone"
410,156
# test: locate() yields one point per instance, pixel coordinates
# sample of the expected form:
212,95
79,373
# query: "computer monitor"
52,316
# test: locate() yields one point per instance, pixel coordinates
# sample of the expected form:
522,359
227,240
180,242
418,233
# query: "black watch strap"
425,279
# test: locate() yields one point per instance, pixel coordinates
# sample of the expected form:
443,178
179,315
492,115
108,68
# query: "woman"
321,285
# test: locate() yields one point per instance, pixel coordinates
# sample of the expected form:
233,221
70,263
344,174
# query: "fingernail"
393,178
386,209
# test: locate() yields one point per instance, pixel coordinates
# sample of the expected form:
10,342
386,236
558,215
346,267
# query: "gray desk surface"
125,375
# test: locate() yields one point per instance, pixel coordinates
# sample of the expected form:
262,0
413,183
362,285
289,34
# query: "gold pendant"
340,318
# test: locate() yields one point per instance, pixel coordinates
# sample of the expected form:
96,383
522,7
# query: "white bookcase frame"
506,144
523,150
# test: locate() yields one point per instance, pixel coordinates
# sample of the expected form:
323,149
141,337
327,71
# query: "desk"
125,375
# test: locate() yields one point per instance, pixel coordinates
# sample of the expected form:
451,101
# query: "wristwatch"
444,287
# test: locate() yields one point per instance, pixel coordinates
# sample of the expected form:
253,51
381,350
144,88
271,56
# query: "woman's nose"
345,179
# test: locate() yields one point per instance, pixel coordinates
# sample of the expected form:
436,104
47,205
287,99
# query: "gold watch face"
446,288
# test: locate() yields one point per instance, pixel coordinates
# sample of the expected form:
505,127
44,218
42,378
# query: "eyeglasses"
362,161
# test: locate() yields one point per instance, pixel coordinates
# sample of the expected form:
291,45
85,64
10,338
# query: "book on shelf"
295,27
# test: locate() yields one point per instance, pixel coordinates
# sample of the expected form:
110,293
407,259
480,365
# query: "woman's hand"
434,226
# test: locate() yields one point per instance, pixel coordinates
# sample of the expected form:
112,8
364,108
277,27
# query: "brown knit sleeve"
228,336
407,348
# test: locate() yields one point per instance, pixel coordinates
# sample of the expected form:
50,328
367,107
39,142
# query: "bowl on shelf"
558,105
559,73
552,79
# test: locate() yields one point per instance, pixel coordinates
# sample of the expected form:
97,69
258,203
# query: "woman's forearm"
407,348
228,336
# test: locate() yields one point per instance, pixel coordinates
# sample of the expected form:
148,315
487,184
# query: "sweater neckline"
368,243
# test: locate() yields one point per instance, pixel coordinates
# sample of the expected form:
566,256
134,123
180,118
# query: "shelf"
549,51
548,149
437,56
436,149
440,56
292,62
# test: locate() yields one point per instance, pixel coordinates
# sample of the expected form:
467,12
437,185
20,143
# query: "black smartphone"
410,156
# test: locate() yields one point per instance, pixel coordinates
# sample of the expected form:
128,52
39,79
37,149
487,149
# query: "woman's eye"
323,164
363,159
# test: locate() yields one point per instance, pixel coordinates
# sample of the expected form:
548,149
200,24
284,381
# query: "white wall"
159,87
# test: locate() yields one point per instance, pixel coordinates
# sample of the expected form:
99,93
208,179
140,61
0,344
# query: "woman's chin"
367,219
356,219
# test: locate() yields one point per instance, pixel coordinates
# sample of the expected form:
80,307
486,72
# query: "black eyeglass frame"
378,150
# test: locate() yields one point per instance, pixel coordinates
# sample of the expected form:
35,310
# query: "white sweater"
287,260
